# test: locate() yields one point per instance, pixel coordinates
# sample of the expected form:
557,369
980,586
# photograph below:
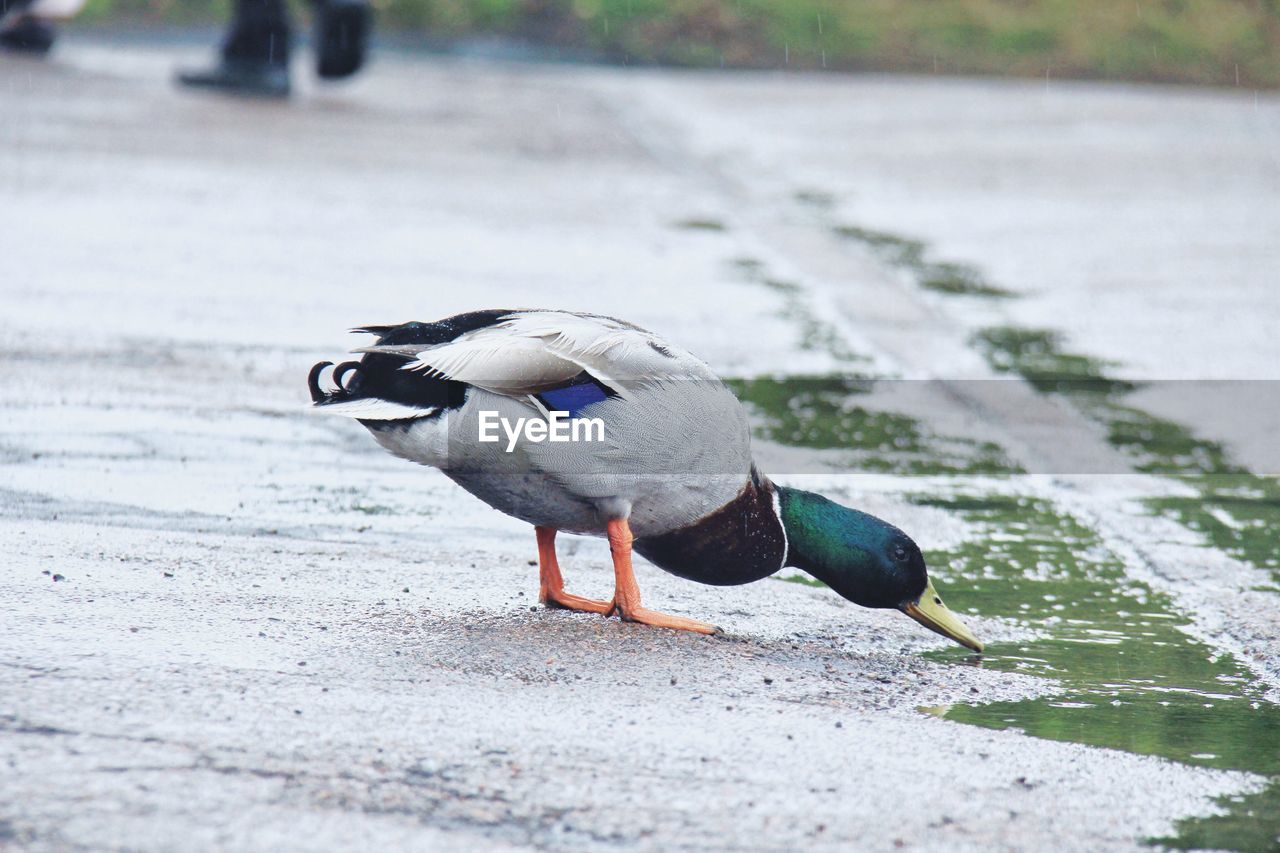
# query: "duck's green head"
866,560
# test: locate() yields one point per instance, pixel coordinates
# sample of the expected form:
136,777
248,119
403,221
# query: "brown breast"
741,542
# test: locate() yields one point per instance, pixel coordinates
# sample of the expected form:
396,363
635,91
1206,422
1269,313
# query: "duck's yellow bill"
930,612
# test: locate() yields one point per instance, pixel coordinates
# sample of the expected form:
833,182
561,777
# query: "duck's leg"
626,593
551,591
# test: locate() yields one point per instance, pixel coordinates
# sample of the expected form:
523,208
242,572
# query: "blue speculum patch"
574,398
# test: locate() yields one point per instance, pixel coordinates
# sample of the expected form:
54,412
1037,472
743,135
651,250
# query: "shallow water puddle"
1236,510
832,412
1131,678
1213,717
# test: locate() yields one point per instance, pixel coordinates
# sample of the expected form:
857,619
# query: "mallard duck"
592,425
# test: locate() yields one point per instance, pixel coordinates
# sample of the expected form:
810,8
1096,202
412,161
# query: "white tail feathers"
374,409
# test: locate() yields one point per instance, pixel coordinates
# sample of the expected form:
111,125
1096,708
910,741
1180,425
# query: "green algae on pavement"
816,333
911,255
819,199
818,412
1235,509
1037,356
699,224
821,413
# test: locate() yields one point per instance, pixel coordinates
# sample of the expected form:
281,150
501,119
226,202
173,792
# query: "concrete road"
229,625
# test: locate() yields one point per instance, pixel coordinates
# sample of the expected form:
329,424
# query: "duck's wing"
674,444
527,352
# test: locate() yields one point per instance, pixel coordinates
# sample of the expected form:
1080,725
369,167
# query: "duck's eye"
898,553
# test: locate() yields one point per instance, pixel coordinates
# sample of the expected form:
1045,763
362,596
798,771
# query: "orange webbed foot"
626,595
568,601
551,587
645,616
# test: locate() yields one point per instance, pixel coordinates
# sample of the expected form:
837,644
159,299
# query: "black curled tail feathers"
313,381
346,388
340,390
382,375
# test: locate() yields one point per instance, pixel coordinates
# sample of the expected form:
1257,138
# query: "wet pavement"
232,625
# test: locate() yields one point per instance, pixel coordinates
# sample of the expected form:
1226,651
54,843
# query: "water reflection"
1132,678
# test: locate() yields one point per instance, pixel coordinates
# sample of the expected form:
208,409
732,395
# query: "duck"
586,424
